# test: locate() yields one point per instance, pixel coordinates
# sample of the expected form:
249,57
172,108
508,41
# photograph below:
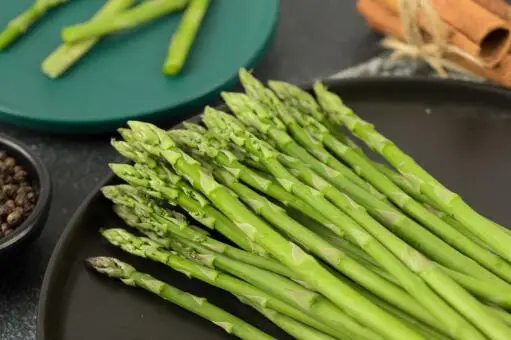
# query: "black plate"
461,132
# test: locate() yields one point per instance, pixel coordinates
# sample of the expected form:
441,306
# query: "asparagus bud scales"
485,229
116,269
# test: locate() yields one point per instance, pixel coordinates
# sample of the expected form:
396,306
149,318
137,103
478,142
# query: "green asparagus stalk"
201,145
138,15
194,127
298,232
184,37
502,314
459,227
427,332
349,248
324,250
488,291
303,265
306,103
487,230
145,216
400,197
161,191
116,269
259,93
60,60
385,212
408,187
150,249
19,25
291,326
290,292
403,183
409,258
398,247
197,206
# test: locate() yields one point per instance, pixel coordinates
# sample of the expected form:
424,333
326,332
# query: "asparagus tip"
110,266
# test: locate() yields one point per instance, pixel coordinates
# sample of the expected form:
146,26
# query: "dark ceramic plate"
461,132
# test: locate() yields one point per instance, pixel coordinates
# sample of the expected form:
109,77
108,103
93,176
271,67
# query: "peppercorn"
14,218
9,189
17,196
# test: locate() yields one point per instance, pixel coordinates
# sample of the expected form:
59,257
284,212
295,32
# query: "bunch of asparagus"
323,241
114,16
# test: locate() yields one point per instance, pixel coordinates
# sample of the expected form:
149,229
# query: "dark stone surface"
314,40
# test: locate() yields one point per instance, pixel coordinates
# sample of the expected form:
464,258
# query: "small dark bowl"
32,226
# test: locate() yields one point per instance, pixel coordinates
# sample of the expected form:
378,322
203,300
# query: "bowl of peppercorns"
25,192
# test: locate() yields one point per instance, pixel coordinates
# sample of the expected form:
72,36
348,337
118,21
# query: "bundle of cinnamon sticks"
481,29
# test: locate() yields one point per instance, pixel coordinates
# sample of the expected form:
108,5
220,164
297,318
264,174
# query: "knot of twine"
431,47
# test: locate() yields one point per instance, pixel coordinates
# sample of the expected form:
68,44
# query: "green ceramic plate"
121,78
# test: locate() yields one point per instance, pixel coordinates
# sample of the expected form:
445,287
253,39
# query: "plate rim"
79,212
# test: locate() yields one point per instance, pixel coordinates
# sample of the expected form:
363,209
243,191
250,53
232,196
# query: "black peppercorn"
17,196
10,189
10,162
14,218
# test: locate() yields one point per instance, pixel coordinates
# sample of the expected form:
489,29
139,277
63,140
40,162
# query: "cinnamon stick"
500,74
378,16
381,19
485,29
498,7
384,21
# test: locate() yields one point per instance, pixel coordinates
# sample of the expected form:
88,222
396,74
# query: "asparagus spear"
116,269
150,249
488,291
303,265
307,300
398,247
385,212
487,230
203,146
138,15
427,332
184,37
62,58
160,189
318,246
255,89
197,206
400,197
306,103
325,250
19,25
413,260
291,326
144,215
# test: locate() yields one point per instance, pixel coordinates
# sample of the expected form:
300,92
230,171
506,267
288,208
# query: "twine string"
431,47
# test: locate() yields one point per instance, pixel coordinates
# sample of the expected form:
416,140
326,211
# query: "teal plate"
121,77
